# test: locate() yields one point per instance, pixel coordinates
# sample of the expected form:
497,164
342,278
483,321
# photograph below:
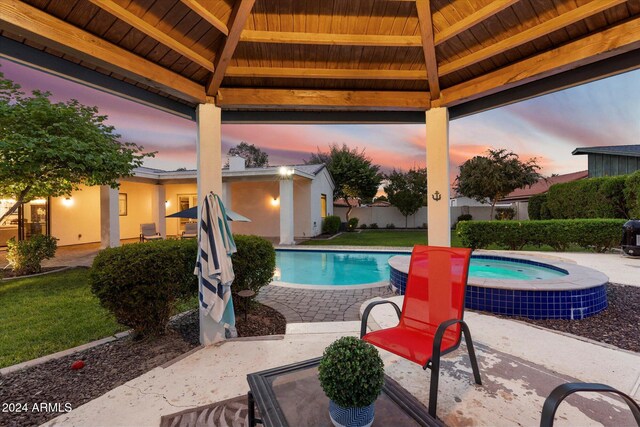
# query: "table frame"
262,394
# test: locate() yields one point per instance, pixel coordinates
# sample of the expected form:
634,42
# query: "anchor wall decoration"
436,196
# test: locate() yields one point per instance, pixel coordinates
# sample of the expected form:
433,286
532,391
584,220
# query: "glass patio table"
292,396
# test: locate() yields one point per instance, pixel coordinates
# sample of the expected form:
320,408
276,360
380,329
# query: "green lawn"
45,314
406,238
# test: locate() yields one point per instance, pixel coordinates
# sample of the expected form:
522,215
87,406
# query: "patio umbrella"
192,213
213,265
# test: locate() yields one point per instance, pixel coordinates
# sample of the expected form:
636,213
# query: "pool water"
356,268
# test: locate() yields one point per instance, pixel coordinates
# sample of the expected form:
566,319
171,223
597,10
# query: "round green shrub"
253,264
140,283
351,372
374,226
331,224
363,226
26,256
535,205
390,226
352,224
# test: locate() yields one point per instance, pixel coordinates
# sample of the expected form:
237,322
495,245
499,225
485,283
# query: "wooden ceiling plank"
608,43
302,99
428,46
34,24
547,27
323,73
152,31
205,14
238,18
482,14
290,37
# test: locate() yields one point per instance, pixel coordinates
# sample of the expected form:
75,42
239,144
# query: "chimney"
236,163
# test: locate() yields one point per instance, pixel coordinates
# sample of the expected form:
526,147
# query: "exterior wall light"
286,172
167,203
67,201
275,201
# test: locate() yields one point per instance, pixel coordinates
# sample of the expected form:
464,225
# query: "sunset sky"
606,112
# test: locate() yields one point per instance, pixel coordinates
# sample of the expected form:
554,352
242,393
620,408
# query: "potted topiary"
351,375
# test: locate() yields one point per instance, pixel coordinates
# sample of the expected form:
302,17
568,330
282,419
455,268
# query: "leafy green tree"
49,149
353,173
253,156
407,191
495,175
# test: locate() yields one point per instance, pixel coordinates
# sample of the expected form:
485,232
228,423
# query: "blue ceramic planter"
351,417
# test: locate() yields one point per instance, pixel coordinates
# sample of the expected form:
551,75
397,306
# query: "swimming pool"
346,268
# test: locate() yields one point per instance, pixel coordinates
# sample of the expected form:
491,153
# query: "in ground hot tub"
516,285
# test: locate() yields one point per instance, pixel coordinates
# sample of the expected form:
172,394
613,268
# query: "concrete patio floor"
519,364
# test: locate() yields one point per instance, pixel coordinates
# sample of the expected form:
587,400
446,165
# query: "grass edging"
57,270
77,349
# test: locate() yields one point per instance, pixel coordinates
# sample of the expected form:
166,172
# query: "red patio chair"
431,319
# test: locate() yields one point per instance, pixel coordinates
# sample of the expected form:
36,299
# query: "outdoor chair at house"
564,390
190,230
148,232
431,322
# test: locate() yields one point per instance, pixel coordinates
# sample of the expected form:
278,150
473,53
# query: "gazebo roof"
338,55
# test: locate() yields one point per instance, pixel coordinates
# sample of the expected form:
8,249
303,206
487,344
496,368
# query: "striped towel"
213,265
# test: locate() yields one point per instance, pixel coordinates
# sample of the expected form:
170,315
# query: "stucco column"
209,177
438,219
286,211
226,195
159,209
109,217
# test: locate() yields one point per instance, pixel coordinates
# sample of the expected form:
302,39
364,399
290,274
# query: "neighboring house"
97,214
611,160
520,197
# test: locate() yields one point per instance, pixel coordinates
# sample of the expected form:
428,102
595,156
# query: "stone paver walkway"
311,305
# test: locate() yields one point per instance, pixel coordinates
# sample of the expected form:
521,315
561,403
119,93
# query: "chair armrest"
365,315
562,391
442,328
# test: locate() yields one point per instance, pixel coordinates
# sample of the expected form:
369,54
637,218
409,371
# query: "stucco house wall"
138,208
77,222
323,184
254,200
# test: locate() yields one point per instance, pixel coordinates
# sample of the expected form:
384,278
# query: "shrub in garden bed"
331,224
595,234
26,256
352,224
140,283
253,264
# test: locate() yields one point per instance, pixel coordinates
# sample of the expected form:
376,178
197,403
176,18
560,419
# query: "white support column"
286,211
438,217
226,195
209,154
159,209
109,217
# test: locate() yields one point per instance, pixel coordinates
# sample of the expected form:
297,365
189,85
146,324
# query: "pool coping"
331,287
578,277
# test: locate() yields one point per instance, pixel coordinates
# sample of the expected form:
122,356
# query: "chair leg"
433,388
472,353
